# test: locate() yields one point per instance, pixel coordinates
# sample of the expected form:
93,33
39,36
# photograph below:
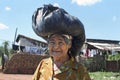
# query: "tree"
5,48
1,50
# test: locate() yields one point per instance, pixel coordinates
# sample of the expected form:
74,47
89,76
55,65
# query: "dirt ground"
14,76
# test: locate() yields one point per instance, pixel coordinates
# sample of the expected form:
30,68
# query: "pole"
15,35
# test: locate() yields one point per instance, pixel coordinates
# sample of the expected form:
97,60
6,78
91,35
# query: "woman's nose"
56,46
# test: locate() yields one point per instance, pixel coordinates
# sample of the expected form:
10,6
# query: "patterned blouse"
70,70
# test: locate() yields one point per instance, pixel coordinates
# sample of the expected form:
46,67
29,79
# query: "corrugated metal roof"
105,46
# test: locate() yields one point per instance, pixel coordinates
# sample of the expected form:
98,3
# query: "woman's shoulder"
46,60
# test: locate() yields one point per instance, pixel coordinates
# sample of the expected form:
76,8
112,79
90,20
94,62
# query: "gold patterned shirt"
70,70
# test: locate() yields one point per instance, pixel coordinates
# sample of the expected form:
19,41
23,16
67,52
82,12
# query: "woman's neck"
60,61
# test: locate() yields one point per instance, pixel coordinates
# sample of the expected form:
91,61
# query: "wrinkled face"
58,48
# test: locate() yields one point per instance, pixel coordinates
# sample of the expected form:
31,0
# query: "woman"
65,36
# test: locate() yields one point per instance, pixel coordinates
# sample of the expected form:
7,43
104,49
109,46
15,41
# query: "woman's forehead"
60,35
56,36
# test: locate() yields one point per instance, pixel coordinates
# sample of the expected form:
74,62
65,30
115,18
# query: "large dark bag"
48,20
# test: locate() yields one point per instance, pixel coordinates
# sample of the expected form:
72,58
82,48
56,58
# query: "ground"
14,76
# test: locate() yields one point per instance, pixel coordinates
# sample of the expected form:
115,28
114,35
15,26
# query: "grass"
105,76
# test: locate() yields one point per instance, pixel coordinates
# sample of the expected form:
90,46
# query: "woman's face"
58,48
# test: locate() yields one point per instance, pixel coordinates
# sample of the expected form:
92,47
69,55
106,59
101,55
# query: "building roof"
31,39
103,41
103,44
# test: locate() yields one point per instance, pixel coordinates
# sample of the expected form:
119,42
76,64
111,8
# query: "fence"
98,63
113,66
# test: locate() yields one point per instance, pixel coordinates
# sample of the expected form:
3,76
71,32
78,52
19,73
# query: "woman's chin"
56,54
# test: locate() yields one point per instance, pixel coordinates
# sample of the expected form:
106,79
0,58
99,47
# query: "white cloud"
114,18
3,26
86,2
7,8
56,4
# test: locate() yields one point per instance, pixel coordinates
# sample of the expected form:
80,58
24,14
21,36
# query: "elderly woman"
65,36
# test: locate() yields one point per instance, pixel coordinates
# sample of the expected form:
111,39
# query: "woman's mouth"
56,52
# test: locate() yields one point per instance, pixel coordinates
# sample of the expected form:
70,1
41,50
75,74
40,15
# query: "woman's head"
49,19
59,45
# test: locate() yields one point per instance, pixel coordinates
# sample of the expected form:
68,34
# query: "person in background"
65,36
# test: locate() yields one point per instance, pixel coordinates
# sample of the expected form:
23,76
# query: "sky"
101,18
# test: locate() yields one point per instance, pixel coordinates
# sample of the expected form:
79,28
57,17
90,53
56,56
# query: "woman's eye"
52,43
61,43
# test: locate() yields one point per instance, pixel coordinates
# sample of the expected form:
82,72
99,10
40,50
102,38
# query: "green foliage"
4,49
1,50
115,57
104,76
5,46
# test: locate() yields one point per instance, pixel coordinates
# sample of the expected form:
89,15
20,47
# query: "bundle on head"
48,20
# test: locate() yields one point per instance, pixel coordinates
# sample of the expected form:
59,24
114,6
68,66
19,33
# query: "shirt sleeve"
83,73
36,74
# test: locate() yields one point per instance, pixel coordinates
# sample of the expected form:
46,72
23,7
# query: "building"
103,44
99,46
30,45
